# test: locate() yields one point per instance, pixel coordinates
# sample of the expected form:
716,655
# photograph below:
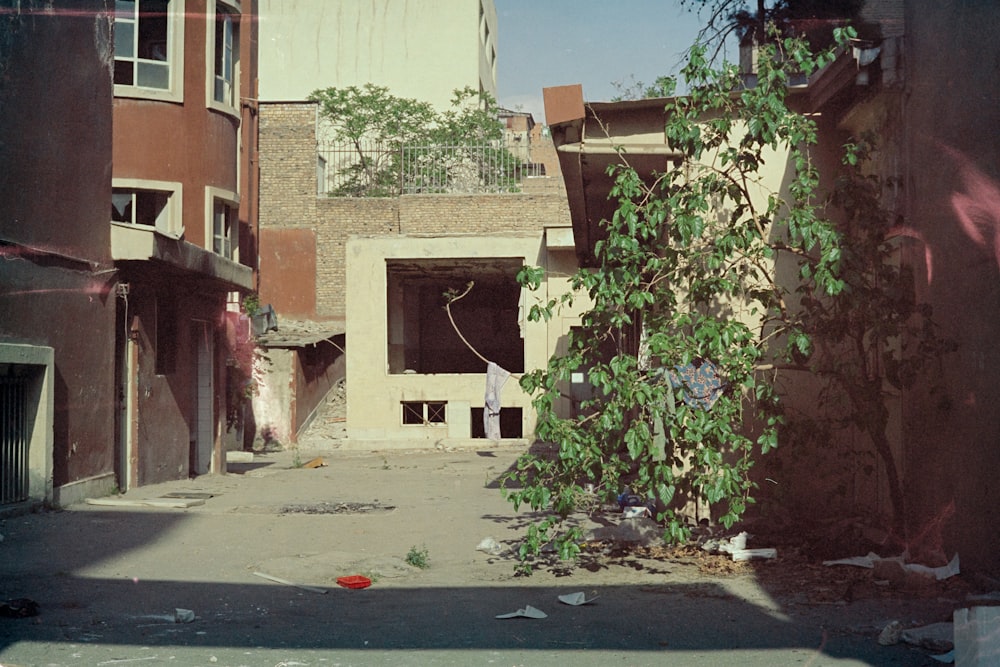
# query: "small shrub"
418,558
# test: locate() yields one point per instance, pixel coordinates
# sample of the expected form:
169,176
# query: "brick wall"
289,199
479,214
339,218
287,164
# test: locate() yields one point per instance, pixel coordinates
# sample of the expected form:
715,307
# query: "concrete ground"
257,562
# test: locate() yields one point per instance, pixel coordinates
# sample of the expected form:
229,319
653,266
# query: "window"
153,208
510,423
421,338
224,224
152,205
419,413
226,47
142,43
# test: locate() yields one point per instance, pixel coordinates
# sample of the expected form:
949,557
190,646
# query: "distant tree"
633,89
369,119
471,119
378,124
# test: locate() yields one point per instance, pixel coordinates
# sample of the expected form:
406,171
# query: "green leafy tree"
441,148
374,122
466,148
684,289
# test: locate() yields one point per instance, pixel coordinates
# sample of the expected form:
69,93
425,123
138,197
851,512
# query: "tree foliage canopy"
687,315
813,20
376,124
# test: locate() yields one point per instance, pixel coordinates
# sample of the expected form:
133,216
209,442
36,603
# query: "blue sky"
545,43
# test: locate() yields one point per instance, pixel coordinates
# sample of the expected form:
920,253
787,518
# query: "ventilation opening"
510,423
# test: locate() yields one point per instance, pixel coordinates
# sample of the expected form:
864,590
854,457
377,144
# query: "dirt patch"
336,508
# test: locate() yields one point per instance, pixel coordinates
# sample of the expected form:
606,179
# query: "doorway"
203,428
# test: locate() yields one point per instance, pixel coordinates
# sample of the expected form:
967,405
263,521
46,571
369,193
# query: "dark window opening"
139,207
419,413
421,336
510,423
15,436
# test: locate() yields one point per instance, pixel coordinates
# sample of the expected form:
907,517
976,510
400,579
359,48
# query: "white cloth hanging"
495,379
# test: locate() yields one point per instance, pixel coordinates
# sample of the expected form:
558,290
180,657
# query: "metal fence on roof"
380,169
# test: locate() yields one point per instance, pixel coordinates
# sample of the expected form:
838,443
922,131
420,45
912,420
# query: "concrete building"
417,371
310,44
376,268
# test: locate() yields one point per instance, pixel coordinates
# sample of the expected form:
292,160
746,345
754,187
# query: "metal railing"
374,169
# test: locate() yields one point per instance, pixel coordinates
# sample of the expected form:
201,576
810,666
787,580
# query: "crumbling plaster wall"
373,410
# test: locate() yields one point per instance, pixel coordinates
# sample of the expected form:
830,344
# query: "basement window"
423,413
421,337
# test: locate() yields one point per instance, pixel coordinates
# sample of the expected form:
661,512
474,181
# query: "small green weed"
418,558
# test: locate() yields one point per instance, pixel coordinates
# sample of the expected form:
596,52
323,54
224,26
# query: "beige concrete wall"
421,49
374,412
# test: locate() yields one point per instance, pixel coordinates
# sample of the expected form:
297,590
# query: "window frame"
213,10
174,92
170,222
231,200
431,413
409,315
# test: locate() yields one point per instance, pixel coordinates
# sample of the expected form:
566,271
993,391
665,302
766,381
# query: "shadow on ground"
121,615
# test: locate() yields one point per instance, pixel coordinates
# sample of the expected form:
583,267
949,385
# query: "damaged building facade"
920,85
381,267
418,370
129,230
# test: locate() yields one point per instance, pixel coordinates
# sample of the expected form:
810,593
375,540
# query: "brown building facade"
57,298
183,227
129,235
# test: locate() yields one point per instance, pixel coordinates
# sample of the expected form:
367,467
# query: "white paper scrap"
939,573
576,599
527,612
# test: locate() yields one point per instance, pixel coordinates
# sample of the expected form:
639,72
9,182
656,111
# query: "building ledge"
135,244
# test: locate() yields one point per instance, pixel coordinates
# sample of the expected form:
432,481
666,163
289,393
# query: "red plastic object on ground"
354,581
